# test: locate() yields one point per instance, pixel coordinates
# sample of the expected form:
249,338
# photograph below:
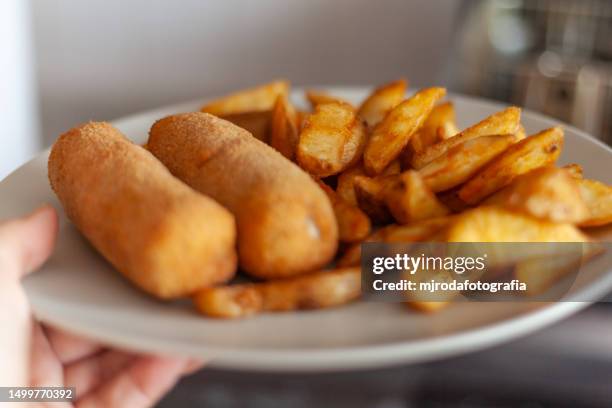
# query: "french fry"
539,150
548,193
450,199
504,122
462,161
494,224
353,224
439,125
345,186
574,170
381,101
257,123
370,195
259,98
284,135
316,98
414,232
391,135
317,290
332,139
598,198
409,199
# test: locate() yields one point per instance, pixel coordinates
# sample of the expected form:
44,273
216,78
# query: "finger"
193,366
140,385
26,243
70,348
45,368
87,374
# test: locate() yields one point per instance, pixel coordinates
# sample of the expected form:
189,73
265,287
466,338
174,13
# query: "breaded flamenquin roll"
286,224
166,238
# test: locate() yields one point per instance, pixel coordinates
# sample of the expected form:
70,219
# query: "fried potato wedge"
439,125
598,198
256,123
259,98
541,273
381,101
574,170
370,195
505,122
450,199
316,98
494,224
353,224
317,290
548,193
409,199
284,135
345,184
462,161
391,135
414,232
333,138
539,150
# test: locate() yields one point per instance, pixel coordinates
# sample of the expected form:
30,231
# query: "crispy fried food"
332,140
161,235
462,161
256,123
539,150
284,135
317,290
353,224
370,195
345,186
391,135
317,98
440,125
414,232
381,101
549,193
450,199
259,98
494,224
286,225
409,199
598,198
574,170
505,122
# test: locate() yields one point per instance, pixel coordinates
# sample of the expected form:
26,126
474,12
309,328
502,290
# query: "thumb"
26,243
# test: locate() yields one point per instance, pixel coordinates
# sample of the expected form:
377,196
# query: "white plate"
79,291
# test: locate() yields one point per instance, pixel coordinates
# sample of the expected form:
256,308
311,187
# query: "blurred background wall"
101,59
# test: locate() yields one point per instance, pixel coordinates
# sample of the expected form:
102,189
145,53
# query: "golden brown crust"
163,236
286,225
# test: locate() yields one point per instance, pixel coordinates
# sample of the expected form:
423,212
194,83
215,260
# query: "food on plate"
393,133
353,224
160,234
539,150
257,123
410,199
259,98
494,224
286,225
506,122
548,192
381,101
439,125
315,290
462,161
308,188
331,140
370,195
284,135
598,198
317,98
